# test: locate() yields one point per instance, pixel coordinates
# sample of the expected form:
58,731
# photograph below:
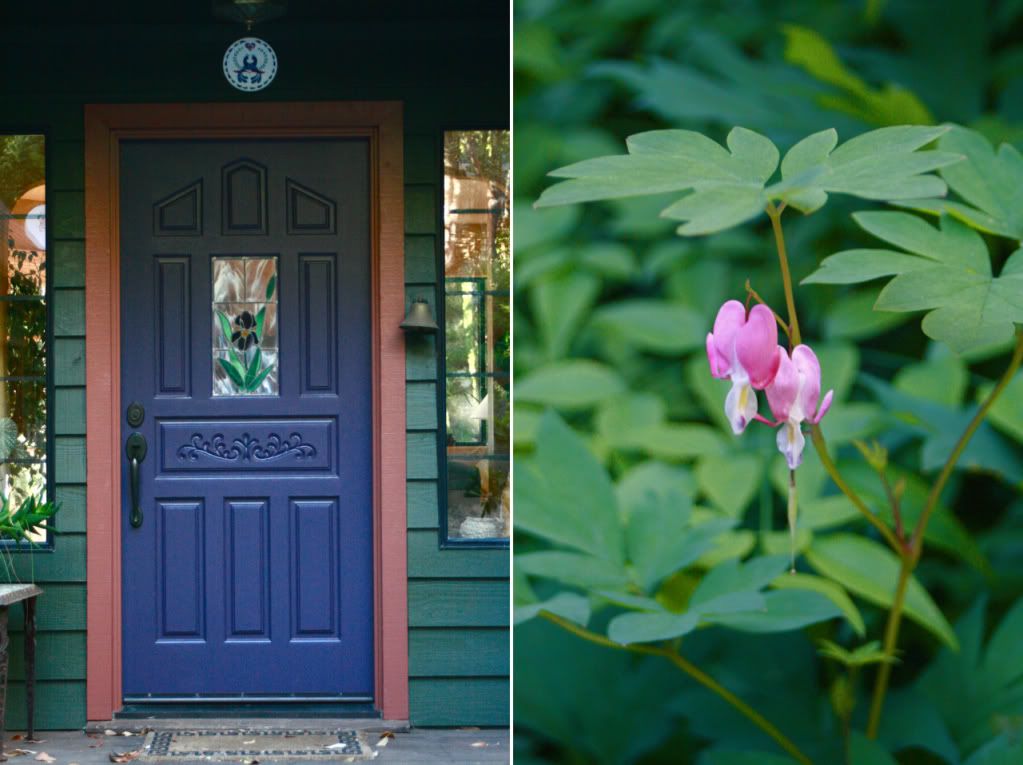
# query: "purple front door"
246,388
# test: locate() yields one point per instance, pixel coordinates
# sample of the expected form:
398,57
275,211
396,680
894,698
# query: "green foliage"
611,312
730,187
947,270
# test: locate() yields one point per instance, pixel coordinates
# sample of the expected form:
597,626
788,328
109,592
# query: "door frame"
106,125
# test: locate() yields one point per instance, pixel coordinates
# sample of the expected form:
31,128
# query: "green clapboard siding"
441,702
458,653
458,603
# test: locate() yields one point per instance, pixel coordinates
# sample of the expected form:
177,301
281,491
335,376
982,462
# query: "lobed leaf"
727,187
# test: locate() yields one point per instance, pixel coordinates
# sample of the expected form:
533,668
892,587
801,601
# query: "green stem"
964,439
774,214
694,672
891,639
912,555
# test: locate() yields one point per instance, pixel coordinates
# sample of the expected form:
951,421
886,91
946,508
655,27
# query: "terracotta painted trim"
105,126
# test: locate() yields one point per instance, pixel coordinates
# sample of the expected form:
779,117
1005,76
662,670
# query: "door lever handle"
135,449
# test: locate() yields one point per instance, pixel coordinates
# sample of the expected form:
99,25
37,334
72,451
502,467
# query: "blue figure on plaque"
250,64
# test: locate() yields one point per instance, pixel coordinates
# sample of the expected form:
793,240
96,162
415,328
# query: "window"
477,340
23,320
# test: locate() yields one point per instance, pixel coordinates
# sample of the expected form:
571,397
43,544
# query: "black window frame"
48,546
440,301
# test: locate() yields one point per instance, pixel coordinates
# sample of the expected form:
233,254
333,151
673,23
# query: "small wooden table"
9,595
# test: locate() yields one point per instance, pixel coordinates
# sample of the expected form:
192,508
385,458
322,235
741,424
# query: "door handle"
135,450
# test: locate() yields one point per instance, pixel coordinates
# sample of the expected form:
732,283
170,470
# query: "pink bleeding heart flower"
793,396
745,350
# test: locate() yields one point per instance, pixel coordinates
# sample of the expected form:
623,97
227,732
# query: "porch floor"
418,745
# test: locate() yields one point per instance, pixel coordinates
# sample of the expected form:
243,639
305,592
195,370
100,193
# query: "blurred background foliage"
611,311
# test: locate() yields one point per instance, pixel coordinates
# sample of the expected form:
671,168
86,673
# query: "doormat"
258,745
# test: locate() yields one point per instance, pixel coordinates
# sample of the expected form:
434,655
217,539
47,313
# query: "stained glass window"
245,361
23,306
477,264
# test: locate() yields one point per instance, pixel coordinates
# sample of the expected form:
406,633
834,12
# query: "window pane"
477,338
245,327
23,340
478,497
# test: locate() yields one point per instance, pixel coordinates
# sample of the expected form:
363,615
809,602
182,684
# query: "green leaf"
829,589
570,384
889,105
870,570
646,627
622,422
567,605
271,286
723,757
574,569
852,317
784,610
560,305
1007,412
864,751
989,182
233,373
729,187
682,442
861,656
951,279
562,493
730,481
732,577
653,325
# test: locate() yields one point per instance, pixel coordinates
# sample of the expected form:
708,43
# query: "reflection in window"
477,337
245,326
23,320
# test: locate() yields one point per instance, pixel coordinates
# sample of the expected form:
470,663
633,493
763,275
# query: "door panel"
245,285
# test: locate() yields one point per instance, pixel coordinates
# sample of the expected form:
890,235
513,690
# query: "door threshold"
198,710
137,726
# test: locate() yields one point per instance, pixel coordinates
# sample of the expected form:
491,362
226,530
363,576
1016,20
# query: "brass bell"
419,317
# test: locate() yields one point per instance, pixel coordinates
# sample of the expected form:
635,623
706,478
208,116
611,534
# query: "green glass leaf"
232,372
225,326
253,369
258,379
870,570
271,286
990,184
730,186
260,317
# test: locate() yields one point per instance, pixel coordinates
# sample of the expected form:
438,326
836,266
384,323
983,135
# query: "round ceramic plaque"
250,64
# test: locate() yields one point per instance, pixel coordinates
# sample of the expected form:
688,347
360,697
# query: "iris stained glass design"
245,326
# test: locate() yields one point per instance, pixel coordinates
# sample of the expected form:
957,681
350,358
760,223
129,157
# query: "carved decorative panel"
308,211
247,445
180,213
243,194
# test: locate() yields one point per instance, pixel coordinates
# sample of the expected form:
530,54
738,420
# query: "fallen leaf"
35,740
127,733
125,756
19,752
338,745
249,742
44,757
382,742
110,732
479,744
17,737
